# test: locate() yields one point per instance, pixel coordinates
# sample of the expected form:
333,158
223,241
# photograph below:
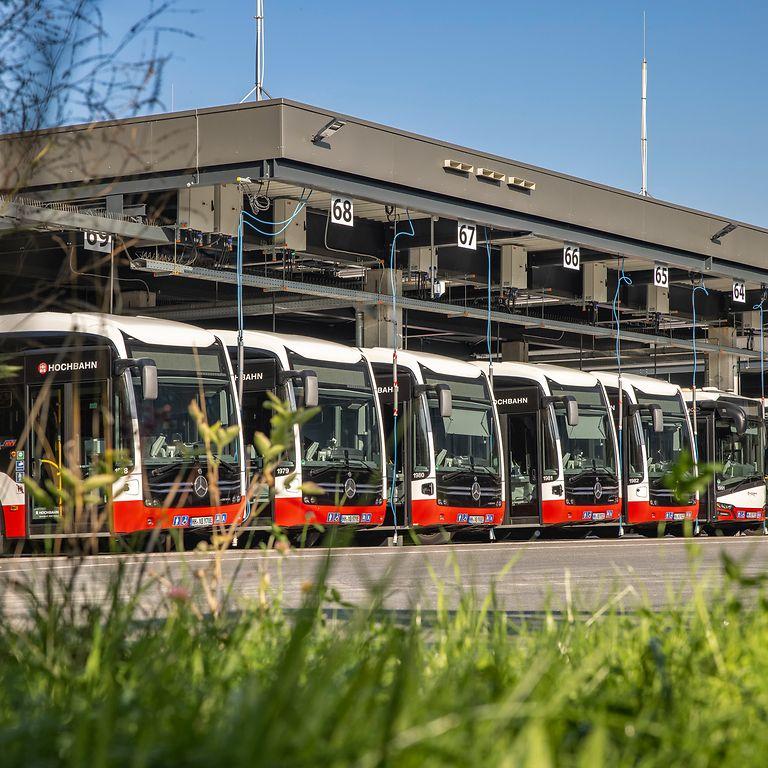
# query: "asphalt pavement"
587,576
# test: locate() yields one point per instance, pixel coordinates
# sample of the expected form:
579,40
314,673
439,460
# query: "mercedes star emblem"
598,490
475,491
350,488
200,486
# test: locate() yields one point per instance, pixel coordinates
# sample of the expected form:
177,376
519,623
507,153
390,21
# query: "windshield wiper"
172,467
448,476
337,464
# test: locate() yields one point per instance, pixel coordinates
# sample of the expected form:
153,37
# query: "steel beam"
16,215
464,210
447,310
207,311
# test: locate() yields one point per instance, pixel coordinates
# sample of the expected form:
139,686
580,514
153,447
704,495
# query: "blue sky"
555,83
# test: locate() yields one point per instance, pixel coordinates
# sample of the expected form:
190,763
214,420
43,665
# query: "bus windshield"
588,445
169,433
665,447
740,456
467,439
345,431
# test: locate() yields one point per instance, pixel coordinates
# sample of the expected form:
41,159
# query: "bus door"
260,377
522,431
13,462
635,485
705,452
69,430
403,446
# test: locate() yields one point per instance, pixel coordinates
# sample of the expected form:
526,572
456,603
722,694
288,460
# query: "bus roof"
710,393
542,373
646,384
278,343
149,330
445,366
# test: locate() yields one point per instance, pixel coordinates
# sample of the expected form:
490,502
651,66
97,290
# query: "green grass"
262,686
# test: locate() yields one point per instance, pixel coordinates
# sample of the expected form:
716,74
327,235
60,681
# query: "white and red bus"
446,454
83,391
560,446
731,433
656,432
341,449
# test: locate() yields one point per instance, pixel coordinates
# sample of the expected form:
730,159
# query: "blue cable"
762,355
239,268
760,306
394,358
285,224
243,221
488,322
623,279
700,287
488,329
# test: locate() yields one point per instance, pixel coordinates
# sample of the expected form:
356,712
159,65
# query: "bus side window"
123,427
550,446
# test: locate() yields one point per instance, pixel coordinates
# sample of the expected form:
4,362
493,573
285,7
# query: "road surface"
581,576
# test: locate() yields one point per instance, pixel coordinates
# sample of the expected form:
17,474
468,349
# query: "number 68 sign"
342,211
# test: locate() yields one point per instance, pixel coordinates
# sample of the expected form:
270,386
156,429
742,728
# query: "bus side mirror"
311,389
571,410
444,400
148,371
739,419
309,384
730,411
657,418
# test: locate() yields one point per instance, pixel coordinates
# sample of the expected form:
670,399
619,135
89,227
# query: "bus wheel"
607,531
440,536
649,531
305,538
727,530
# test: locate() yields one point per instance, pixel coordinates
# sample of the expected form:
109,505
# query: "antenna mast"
643,119
258,87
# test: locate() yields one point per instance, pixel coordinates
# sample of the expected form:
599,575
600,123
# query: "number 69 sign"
97,241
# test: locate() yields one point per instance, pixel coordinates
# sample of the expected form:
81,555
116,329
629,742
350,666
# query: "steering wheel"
158,447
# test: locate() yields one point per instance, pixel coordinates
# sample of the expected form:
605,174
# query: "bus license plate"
350,519
476,519
753,515
598,516
200,522
679,515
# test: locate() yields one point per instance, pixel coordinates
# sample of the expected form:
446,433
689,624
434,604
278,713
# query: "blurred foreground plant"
100,682
272,449
685,479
